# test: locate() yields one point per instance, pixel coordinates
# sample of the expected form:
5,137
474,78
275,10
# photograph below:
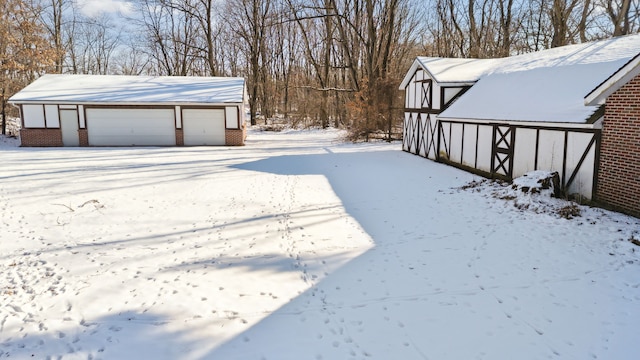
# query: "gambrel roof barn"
545,110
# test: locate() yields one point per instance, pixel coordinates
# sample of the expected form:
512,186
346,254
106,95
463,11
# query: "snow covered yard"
297,246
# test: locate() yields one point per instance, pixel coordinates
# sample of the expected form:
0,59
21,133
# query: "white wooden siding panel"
131,127
178,113
455,146
576,146
445,146
231,115
450,93
469,145
51,114
433,129
81,118
485,134
524,152
550,150
33,116
203,127
406,126
415,133
423,135
435,95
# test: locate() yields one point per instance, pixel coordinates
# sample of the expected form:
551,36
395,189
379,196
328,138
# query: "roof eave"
574,125
117,103
618,79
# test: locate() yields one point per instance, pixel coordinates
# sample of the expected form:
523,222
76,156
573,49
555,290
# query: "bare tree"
25,51
618,12
251,25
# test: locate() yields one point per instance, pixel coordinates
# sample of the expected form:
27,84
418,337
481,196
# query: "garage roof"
121,89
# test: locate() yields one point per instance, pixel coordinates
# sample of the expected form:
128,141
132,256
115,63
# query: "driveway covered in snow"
298,246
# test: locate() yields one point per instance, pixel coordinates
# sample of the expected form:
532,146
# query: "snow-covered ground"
298,246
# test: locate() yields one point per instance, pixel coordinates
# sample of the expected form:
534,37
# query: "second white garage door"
203,127
131,127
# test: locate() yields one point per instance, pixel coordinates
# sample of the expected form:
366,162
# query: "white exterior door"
69,127
203,126
131,127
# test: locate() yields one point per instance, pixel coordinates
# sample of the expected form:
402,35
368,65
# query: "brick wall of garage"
41,137
619,172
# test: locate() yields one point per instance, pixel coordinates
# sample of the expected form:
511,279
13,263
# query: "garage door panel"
203,127
127,127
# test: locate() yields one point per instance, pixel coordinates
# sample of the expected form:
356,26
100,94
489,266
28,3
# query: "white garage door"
131,127
203,126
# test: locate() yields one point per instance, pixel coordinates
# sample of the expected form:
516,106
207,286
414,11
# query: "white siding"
524,156
485,134
178,115
455,146
576,146
435,95
469,145
51,114
231,115
550,150
444,140
81,120
450,93
33,116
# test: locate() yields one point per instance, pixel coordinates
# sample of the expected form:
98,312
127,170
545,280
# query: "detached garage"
102,110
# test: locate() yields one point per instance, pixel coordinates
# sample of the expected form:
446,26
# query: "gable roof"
449,71
109,89
545,86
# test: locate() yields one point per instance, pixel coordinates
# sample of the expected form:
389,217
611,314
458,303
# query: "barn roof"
545,86
111,89
626,73
450,70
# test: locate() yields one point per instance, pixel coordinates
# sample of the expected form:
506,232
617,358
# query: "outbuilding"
117,110
546,110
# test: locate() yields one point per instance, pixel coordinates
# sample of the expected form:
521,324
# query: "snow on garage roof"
131,89
545,86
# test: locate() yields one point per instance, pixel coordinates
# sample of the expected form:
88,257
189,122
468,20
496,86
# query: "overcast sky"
96,7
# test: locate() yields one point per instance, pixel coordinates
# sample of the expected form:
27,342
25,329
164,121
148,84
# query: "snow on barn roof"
450,70
545,86
132,89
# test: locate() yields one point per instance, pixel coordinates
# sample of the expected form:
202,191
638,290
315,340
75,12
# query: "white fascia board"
457,84
596,125
412,70
625,74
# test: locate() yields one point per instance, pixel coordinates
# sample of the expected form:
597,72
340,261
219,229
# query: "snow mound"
9,141
536,191
539,181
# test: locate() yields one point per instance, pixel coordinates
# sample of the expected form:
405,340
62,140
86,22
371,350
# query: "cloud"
94,8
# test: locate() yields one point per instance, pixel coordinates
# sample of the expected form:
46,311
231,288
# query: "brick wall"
179,137
41,137
84,137
619,173
235,137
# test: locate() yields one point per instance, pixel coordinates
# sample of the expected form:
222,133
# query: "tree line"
313,62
